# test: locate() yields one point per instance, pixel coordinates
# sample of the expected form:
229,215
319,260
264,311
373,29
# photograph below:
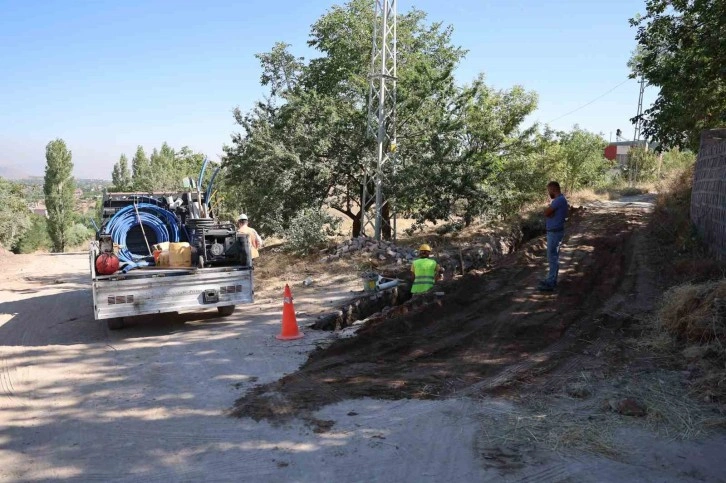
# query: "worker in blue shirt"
555,215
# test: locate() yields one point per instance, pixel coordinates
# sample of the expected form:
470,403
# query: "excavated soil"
489,331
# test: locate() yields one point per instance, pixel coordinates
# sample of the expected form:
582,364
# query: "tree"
675,160
36,237
141,171
121,177
642,164
14,214
79,235
682,51
187,163
582,155
59,187
165,171
306,144
164,174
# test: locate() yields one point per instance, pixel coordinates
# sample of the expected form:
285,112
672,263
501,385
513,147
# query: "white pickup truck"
220,277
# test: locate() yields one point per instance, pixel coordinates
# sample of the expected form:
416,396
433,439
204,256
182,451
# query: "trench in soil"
383,303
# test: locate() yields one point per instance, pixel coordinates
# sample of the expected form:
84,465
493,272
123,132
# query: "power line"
592,101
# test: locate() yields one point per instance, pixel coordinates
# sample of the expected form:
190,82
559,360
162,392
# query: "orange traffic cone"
289,321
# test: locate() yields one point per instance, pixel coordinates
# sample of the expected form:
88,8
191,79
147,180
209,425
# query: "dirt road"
150,403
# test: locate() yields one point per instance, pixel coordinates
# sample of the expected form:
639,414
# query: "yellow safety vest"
425,271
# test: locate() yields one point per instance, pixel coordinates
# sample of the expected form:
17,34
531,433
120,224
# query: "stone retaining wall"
708,201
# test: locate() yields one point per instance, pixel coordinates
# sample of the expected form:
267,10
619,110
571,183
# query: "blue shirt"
557,220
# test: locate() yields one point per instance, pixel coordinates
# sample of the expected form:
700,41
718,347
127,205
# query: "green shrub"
79,234
36,237
309,229
14,214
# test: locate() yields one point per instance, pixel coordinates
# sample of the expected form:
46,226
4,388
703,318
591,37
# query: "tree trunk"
356,226
386,228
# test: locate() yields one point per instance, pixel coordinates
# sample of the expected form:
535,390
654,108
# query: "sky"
108,75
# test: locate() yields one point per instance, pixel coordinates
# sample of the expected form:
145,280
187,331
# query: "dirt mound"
487,323
695,314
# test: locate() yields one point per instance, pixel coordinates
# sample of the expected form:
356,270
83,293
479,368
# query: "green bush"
309,229
79,234
14,214
36,237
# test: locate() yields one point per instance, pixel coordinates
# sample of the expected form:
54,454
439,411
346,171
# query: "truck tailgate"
138,295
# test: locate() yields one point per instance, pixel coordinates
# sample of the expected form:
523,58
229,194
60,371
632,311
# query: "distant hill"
17,174
12,172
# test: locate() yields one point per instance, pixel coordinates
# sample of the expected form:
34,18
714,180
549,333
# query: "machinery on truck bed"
215,268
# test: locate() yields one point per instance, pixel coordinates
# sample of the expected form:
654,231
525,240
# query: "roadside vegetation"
465,152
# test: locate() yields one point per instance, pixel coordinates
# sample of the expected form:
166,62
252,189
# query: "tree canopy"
14,213
306,143
59,187
163,171
682,51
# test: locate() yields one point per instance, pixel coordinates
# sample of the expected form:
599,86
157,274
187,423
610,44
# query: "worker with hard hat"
425,270
255,240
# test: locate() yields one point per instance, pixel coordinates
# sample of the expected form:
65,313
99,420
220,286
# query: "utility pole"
638,124
381,119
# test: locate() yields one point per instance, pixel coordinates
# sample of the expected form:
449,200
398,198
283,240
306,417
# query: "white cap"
242,217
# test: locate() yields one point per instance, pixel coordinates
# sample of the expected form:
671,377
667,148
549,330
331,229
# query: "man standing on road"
555,215
425,271
255,240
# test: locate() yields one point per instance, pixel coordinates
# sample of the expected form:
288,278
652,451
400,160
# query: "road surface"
149,403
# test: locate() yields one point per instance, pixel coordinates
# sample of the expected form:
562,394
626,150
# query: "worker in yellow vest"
425,271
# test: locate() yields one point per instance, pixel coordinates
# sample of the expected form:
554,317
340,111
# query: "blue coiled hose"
162,223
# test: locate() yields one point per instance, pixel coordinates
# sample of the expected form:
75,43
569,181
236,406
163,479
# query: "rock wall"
708,201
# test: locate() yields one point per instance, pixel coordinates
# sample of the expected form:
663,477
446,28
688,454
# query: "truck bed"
161,290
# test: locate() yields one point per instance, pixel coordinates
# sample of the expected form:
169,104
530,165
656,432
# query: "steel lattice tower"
381,117
639,122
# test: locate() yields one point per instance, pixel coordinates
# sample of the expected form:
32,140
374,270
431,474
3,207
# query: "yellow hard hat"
424,248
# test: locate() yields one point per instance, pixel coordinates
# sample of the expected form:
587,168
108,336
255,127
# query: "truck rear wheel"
116,323
226,310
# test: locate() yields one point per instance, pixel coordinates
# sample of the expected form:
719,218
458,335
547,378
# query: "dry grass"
549,425
695,315
589,425
696,312
585,196
672,411
692,314
589,195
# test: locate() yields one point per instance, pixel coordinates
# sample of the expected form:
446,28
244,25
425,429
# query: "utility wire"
585,105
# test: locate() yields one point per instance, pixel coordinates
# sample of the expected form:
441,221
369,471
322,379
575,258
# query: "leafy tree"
165,170
14,213
306,144
642,165
121,177
582,159
309,229
79,234
187,163
141,171
676,160
520,176
36,237
682,51
58,187
164,174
